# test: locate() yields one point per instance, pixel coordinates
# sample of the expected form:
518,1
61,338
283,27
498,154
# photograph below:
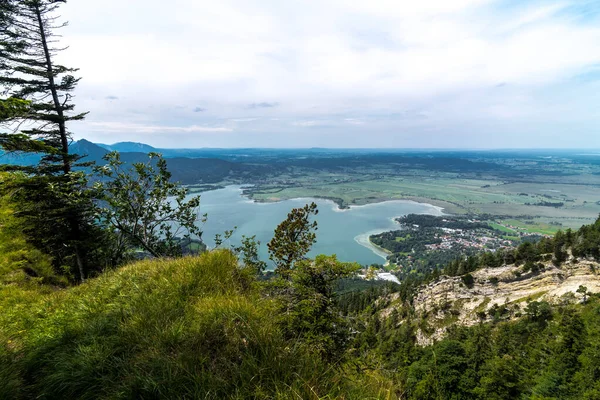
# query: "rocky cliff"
497,294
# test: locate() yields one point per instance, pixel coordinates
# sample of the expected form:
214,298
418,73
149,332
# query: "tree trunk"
80,264
64,140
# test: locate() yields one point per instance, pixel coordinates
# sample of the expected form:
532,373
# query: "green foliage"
226,236
305,288
12,108
468,280
356,295
249,251
50,210
293,239
309,309
553,353
584,292
57,203
560,255
144,208
193,327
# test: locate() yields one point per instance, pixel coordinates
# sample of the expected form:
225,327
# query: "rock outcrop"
497,293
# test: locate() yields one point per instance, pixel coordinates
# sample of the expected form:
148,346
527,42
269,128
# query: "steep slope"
497,294
186,328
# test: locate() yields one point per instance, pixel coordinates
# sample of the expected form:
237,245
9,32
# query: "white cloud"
329,60
354,121
307,124
140,128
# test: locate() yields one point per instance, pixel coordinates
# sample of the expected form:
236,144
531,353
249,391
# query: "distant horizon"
567,149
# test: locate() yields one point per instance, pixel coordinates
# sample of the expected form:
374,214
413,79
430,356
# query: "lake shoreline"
378,250
345,232
440,206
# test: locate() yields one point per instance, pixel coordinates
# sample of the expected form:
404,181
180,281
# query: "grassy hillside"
185,328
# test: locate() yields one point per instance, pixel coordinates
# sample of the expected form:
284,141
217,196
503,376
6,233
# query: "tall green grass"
186,328
16,254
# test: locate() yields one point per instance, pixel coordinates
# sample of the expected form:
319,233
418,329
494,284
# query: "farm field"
517,204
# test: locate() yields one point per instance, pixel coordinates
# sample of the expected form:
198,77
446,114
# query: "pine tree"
53,198
560,255
293,239
28,72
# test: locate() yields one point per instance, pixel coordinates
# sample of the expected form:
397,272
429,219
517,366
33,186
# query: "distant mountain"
90,151
183,169
128,147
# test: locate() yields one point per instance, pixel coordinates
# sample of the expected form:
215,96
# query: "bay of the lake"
341,232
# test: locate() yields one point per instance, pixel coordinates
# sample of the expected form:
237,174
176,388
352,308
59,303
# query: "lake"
341,232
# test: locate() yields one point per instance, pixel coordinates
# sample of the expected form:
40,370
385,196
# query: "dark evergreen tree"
54,201
310,311
560,255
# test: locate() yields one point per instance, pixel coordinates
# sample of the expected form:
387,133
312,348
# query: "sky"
337,73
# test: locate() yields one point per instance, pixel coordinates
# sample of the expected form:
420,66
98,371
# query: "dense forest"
551,352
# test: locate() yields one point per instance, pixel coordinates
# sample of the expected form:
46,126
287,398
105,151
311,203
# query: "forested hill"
183,169
129,147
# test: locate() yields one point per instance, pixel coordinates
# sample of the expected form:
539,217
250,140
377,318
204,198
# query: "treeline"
585,242
432,221
408,241
558,204
531,255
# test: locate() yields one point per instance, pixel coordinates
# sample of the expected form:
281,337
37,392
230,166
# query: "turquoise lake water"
341,232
